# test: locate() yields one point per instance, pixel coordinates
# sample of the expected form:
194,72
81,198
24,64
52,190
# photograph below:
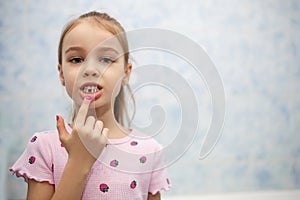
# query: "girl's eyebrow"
74,48
104,49
98,49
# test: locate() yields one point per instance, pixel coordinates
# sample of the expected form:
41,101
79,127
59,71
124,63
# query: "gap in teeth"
90,89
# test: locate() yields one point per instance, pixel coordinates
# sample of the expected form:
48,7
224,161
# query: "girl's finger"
90,122
98,127
105,134
83,110
62,131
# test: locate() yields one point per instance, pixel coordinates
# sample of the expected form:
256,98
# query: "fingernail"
57,117
88,98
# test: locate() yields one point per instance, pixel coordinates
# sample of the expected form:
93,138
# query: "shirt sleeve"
159,178
36,161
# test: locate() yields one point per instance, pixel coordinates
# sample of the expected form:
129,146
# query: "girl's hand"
88,137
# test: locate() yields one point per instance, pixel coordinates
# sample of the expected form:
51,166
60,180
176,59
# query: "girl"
93,157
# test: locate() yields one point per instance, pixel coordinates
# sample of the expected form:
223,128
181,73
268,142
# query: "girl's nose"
90,73
90,70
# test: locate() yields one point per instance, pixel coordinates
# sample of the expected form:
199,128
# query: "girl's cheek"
69,82
69,88
116,88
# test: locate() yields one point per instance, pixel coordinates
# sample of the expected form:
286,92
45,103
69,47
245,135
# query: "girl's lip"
94,96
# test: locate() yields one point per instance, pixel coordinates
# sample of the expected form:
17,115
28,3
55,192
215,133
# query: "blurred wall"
253,43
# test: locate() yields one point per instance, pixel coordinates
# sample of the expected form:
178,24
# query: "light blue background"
253,43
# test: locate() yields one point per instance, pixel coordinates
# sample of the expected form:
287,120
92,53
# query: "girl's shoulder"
139,141
46,138
44,135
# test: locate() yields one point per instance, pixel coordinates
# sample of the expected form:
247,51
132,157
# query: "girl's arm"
154,197
85,134
70,186
39,190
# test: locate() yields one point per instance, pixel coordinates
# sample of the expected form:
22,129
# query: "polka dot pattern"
31,160
33,139
111,181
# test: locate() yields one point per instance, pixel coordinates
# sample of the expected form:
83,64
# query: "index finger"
82,112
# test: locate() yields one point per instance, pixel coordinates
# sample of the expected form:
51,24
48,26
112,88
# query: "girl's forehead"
89,35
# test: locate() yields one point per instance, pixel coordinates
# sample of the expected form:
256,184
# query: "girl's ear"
127,74
61,75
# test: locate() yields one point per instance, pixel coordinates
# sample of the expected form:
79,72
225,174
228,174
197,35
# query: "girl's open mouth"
91,89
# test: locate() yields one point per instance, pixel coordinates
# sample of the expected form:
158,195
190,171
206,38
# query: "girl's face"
90,67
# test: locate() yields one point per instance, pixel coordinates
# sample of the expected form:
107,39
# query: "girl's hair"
110,24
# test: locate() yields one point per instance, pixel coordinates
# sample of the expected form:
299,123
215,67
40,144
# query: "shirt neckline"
113,141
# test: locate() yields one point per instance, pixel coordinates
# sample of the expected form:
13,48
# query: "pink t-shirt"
128,168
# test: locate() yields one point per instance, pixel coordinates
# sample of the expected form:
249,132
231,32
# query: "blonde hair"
113,26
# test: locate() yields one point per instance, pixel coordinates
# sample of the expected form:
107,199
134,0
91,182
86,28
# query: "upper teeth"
90,89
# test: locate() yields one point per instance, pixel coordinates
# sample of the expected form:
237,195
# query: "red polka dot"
143,159
133,143
114,163
103,187
133,184
31,160
33,139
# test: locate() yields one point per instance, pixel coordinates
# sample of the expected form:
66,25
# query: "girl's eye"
76,60
106,60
